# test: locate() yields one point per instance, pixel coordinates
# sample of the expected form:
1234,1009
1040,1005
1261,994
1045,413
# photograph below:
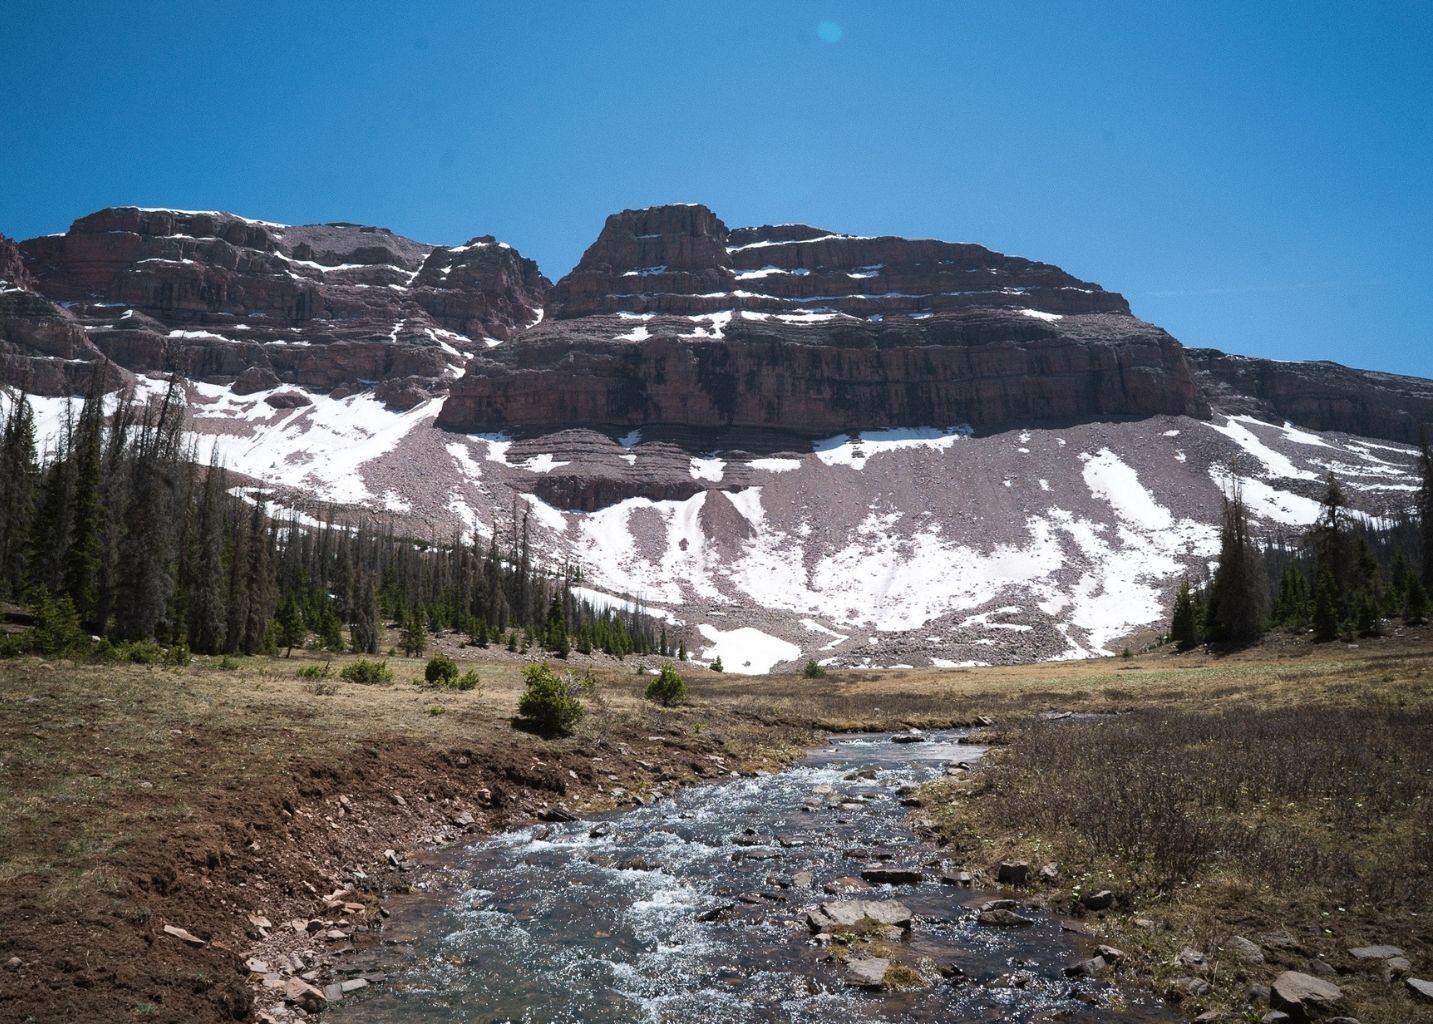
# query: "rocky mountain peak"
13,272
227,299
659,257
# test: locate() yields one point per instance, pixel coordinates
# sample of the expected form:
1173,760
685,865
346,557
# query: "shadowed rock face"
215,296
671,319
1317,395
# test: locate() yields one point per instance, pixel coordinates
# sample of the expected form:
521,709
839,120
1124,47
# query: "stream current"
600,921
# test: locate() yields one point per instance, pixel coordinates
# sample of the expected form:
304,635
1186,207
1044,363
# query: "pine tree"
556,632
1425,506
364,626
1326,617
1332,542
291,629
1184,624
682,650
82,554
1366,613
207,592
1415,602
1238,594
19,483
414,635
1291,608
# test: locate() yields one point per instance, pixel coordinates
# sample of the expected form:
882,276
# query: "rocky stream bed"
803,895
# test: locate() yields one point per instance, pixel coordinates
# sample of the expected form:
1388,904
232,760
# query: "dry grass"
1256,797
130,794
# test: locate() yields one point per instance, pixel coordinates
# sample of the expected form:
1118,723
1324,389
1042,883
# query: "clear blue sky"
1253,176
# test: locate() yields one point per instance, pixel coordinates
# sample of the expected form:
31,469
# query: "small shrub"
313,671
1127,654
435,710
547,703
441,671
467,681
717,665
227,663
813,670
667,688
365,670
143,652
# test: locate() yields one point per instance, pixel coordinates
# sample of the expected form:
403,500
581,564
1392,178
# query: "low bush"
547,703
667,688
441,671
314,671
366,670
143,652
813,670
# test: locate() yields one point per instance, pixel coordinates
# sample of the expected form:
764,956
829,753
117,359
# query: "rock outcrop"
671,319
215,296
1317,395
749,338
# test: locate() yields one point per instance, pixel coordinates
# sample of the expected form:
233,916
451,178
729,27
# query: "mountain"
790,442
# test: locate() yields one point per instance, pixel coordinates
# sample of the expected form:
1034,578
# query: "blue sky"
1254,177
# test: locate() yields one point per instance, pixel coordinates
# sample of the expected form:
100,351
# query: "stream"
693,909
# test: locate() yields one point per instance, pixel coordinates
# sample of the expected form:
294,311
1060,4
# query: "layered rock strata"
223,298
671,319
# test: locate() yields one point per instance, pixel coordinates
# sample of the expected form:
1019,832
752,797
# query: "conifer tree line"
117,530
1344,576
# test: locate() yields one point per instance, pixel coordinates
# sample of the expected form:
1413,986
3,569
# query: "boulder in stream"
845,915
1003,918
885,874
867,972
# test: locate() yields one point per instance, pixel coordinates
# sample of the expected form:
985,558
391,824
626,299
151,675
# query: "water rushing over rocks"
695,909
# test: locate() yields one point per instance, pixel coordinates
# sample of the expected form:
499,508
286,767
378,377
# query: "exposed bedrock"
1317,395
984,368
671,319
211,295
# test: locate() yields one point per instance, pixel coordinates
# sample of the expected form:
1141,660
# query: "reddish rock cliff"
671,319
1318,395
214,296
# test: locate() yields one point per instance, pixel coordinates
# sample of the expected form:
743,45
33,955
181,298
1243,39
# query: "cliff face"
671,319
224,298
1317,395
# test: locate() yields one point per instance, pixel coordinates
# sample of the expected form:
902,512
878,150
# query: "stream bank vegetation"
1281,797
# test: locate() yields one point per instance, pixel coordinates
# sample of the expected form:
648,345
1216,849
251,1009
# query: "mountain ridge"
845,464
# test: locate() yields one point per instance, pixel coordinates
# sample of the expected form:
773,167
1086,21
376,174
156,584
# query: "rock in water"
1003,919
886,875
848,914
867,972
